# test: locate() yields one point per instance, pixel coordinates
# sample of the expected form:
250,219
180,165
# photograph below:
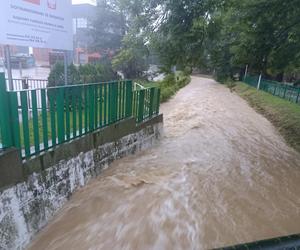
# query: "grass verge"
283,114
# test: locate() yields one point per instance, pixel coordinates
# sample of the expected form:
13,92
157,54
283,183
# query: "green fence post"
86,109
152,96
14,113
119,98
6,129
123,100
35,121
129,92
81,91
101,106
297,100
141,106
134,104
105,105
60,106
91,94
44,119
275,88
96,121
25,123
52,100
285,89
67,110
75,92
158,101
115,99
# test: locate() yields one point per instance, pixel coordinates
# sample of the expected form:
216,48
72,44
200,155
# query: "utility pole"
261,72
246,72
259,81
8,67
66,66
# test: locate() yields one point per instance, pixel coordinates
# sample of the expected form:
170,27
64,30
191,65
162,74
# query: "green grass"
282,113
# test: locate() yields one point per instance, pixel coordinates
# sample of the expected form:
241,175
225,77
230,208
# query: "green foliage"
109,27
224,36
56,76
131,60
73,74
220,37
261,33
97,73
171,84
89,73
181,32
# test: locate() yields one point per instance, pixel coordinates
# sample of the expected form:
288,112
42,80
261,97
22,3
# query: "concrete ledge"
27,207
83,144
10,168
13,171
32,197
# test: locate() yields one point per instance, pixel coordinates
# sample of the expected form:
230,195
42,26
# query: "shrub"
166,93
89,73
56,76
172,83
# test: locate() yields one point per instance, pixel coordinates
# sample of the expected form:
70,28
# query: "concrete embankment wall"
32,192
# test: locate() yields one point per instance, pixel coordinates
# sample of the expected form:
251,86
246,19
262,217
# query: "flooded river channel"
221,175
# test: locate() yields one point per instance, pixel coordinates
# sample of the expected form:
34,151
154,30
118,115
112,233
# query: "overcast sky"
84,1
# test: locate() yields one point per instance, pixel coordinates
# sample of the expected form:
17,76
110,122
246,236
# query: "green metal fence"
40,119
284,91
146,103
27,83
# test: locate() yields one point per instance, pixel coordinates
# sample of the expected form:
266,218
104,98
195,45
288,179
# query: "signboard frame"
37,23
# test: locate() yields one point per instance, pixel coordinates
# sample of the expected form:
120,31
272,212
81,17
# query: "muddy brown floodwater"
221,175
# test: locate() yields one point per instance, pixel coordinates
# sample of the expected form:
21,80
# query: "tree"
109,28
89,73
131,60
220,36
261,33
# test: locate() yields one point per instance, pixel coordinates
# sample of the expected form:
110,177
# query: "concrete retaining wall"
49,180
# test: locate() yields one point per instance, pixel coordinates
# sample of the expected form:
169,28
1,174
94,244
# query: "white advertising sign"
36,23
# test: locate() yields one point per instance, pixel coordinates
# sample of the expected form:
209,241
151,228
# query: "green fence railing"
39,119
146,103
284,91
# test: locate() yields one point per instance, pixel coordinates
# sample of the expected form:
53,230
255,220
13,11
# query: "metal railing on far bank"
37,119
278,89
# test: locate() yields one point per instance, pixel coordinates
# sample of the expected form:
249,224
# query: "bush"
187,70
89,73
172,83
166,93
56,76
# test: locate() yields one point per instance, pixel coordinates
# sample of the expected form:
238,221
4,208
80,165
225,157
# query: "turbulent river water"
221,175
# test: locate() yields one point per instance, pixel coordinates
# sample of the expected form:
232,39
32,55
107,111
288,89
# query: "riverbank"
283,114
